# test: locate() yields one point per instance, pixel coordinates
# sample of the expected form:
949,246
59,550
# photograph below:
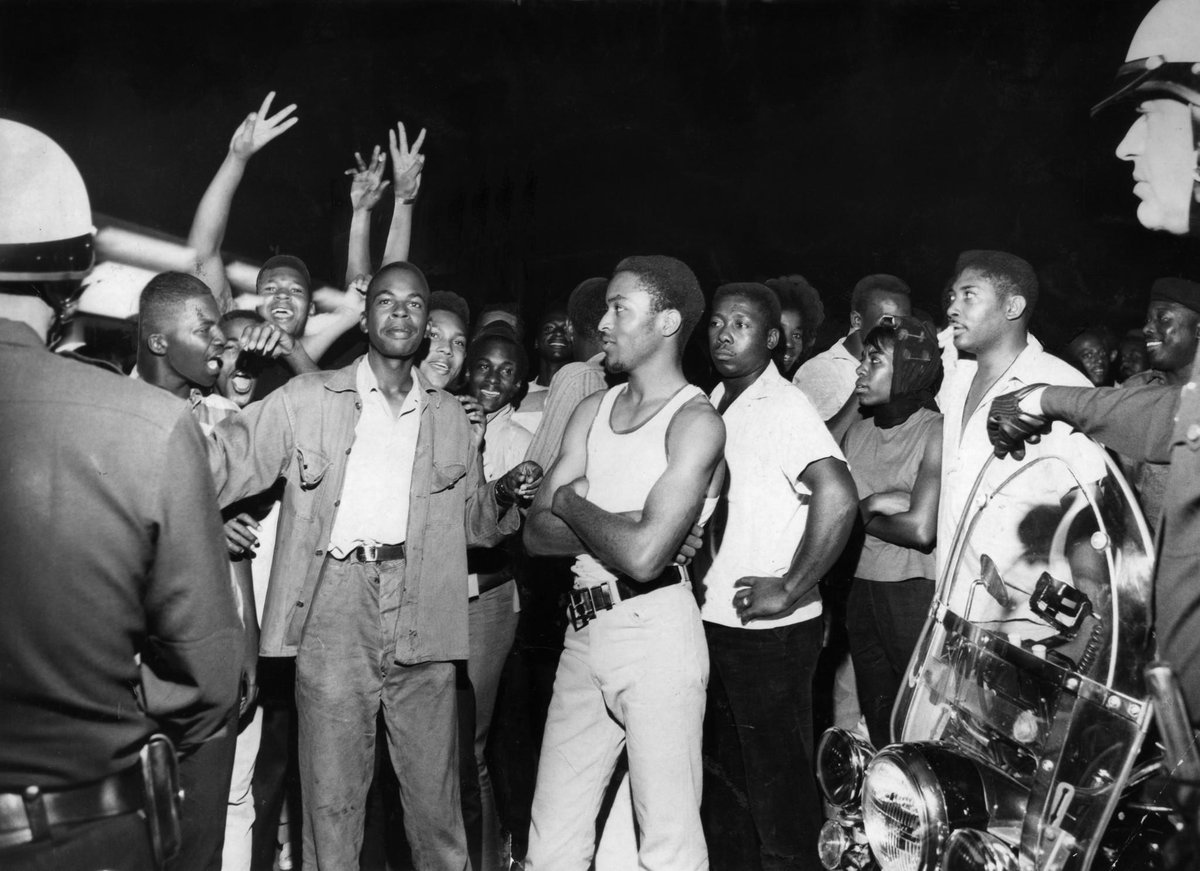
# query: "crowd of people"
525,589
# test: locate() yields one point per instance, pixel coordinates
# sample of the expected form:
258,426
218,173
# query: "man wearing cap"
828,378
1171,331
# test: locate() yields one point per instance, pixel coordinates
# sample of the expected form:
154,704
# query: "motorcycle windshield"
1032,658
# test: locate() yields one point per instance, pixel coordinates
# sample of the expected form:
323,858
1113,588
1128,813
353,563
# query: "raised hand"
267,340
259,128
368,183
407,162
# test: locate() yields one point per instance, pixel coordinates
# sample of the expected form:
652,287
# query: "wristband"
408,201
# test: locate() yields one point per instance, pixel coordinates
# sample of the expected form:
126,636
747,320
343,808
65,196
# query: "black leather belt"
584,605
29,815
489,581
376,553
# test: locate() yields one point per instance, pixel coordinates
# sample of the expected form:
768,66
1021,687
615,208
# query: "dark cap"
1180,290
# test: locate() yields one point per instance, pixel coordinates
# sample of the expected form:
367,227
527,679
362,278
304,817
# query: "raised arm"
212,215
547,534
643,546
917,526
407,164
366,188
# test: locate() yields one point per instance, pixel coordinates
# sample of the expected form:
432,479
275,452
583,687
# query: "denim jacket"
303,432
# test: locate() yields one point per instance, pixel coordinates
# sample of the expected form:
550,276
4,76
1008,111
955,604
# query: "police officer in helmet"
118,633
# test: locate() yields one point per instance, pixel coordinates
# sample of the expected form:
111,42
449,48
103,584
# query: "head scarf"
916,372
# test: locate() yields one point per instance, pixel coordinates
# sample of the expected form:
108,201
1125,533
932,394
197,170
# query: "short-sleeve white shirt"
966,447
828,379
772,434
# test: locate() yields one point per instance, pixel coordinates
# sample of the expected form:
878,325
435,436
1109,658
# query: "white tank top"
622,467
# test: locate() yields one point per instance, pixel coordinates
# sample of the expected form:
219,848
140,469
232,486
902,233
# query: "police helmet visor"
1151,78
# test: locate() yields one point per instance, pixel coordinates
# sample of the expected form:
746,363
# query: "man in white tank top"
630,481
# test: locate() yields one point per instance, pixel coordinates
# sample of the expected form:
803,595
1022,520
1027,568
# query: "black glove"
1009,428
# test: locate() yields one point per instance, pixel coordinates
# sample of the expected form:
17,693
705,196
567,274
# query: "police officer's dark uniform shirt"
111,548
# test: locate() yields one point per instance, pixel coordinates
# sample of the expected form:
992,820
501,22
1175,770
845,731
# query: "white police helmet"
46,233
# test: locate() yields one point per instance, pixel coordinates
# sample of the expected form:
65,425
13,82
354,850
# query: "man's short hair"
797,294
509,308
586,307
671,285
1008,273
880,283
446,300
499,331
759,294
414,274
285,261
164,296
242,314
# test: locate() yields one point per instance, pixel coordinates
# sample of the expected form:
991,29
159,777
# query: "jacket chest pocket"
445,475
311,467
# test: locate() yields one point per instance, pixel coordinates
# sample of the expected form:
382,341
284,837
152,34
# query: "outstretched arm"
212,215
643,546
366,188
407,164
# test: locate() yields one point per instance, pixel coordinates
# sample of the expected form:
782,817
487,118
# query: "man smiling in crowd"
368,588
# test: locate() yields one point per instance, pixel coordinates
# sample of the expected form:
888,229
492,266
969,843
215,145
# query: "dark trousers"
204,775
884,620
761,735
120,843
276,768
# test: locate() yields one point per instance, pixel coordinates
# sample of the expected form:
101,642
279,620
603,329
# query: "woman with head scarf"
895,457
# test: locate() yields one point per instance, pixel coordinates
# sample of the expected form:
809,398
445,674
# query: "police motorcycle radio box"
1020,726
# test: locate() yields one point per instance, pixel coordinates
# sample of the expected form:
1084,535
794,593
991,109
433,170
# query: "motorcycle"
1021,728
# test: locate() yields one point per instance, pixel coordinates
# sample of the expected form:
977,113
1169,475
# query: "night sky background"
833,139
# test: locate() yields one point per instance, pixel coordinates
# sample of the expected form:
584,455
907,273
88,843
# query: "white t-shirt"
772,434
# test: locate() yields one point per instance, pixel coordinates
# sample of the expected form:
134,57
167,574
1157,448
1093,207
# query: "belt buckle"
369,553
584,605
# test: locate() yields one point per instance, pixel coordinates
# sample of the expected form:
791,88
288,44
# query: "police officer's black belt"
30,815
585,605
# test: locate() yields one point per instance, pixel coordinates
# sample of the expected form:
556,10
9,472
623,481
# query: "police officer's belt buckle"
163,796
584,605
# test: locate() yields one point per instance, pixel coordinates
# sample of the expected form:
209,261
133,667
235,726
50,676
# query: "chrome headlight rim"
842,789
949,791
977,850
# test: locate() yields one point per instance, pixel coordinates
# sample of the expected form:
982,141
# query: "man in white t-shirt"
789,506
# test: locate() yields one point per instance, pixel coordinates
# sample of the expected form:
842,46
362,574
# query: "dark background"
832,139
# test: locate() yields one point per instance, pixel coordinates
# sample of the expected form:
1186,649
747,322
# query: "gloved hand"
1009,428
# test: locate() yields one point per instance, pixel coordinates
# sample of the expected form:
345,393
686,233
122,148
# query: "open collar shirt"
966,448
304,433
374,507
772,434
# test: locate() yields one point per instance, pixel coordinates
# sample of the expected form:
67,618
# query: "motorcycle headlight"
914,795
842,758
973,850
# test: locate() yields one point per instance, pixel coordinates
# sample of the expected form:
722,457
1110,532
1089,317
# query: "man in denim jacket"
384,491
